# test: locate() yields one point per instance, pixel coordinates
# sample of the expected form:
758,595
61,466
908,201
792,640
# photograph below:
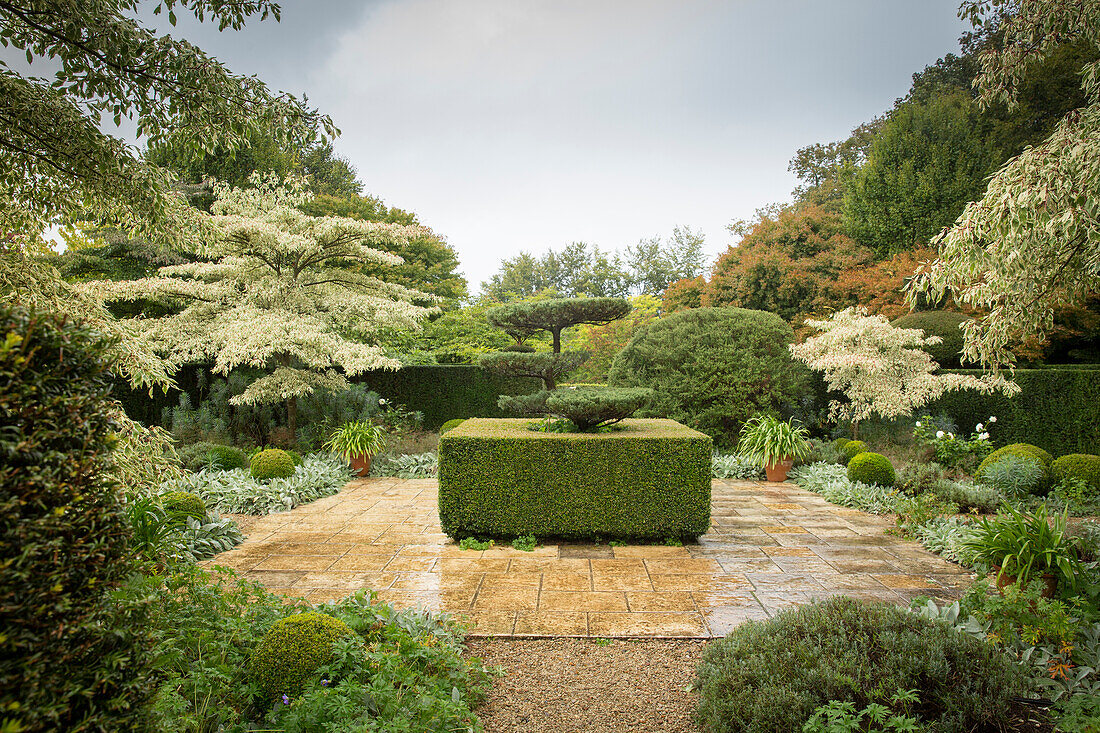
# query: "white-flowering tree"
277,294
881,369
1032,243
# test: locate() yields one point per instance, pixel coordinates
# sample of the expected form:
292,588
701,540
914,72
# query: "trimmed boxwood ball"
871,468
447,426
853,448
945,324
1080,466
184,504
643,479
226,457
272,463
292,649
770,676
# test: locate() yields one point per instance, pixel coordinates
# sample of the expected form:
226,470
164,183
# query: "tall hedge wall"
1058,409
446,391
441,391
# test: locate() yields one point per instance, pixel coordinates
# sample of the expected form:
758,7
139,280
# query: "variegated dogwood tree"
882,370
1032,242
276,293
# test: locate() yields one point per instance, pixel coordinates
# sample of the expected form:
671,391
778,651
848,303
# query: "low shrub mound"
644,480
945,324
450,424
770,676
184,504
293,649
272,463
1019,450
1079,466
871,468
295,456
1015,475
853,448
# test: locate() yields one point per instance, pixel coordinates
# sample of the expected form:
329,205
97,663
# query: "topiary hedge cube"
642,480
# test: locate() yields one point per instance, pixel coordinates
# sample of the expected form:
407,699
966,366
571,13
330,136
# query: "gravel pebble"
588,686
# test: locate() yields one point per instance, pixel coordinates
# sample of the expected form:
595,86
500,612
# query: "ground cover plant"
238,492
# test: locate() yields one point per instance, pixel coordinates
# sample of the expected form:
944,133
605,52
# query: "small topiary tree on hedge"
66,663
587,408
713,368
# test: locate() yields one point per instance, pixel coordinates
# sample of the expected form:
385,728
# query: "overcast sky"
511,125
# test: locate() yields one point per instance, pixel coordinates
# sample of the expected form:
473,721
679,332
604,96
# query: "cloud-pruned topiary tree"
587,408
276,295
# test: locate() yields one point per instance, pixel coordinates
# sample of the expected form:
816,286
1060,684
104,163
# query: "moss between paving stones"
648,480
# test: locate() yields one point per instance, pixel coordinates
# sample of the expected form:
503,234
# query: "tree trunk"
292,419
855,430
557,341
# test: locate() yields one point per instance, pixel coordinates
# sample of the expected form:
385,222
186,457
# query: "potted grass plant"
773,444
357,442
1026,546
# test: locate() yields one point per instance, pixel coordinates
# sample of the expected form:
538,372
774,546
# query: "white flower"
939,433
993,419
983,436
918,423
381,400
951,436
979,427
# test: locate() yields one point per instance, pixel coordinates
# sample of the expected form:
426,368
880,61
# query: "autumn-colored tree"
879,287
684,293
787,264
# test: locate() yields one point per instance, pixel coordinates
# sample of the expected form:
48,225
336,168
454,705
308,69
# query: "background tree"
578,270
685,293
555,315
1032,242
928,160
276,295
603,341
654,264
881,370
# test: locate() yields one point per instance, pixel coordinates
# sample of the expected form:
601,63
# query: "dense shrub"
918,478
871,468
183,504
271,463
853,448
66,663
451,424
294,648
1019,450
1058,409
1078,466
712,368
946,325
968,495
227,457
648,479
295,456
770,676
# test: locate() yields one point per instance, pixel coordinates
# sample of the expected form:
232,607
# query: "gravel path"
589,686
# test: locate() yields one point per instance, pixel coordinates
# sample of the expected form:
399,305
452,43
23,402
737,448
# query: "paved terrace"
770,546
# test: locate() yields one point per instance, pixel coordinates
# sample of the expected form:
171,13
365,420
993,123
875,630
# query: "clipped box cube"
645,480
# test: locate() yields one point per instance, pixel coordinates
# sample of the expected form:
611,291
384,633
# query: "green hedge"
649,480
446,391
1058,409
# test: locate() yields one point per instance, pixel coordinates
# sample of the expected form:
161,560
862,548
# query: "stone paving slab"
770,547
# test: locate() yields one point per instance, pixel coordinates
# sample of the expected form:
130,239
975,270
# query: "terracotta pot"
778,471
1050,584
360,465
